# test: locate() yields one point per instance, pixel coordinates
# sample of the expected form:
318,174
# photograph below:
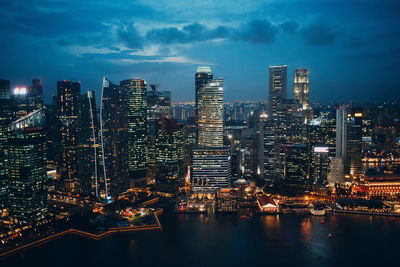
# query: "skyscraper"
114,138
68,95
354,142
301,88
88,145
210,170
341,132
27,99
277,88
27,168
202,77
136,97
6,116
210,114
169,154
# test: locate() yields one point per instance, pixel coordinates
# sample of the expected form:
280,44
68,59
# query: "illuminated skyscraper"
27,168
202,77
68,95
136,97
210,170
114,138
301,87
88,144
210,114
6,117
169,151
277,88
27,99
353,162
341,132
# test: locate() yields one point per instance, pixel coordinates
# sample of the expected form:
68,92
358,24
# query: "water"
227,240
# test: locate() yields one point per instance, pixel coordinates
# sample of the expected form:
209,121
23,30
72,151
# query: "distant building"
88,145
226,201
27,168
267,205
353,156
114,138
295,164
136,97
301,88
336,171
27,99
210,170
68,96
210,114
169,151
202,77
277,88
6,117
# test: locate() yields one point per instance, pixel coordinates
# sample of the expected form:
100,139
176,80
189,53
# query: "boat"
331,235
322,222
318,210
244,217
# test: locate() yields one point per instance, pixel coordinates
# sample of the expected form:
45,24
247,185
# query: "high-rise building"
158,104
341,132
27,168
27,99
277,88
6,117
88,145
353,157
202,77
210,114
136,97
169,151
295,164
52,127
210,170
114,139
301,88
68,95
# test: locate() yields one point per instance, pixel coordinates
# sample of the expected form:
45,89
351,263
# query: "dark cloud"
290,27
130,36
319,33
256,31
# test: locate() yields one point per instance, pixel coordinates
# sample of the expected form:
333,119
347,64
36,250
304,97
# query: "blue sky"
351,47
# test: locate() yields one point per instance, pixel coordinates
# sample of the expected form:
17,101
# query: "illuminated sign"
358,115
20,91
321,149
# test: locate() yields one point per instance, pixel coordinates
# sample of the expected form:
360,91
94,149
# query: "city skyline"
340,43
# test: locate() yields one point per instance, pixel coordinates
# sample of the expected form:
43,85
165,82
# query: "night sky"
351,47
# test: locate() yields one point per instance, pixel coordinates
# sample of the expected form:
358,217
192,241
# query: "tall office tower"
320,164
169,150
295,164
301,88
52,127
269,148
202,77
27,165
277,88
114,139
68,95
158,104
210,170
336,171
341,132
137,130
289,120
88,145
6,117
210,114
353,162
249,153
27,99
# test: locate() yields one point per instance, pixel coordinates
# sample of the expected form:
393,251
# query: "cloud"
319,33
290,27
129,34
256,31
